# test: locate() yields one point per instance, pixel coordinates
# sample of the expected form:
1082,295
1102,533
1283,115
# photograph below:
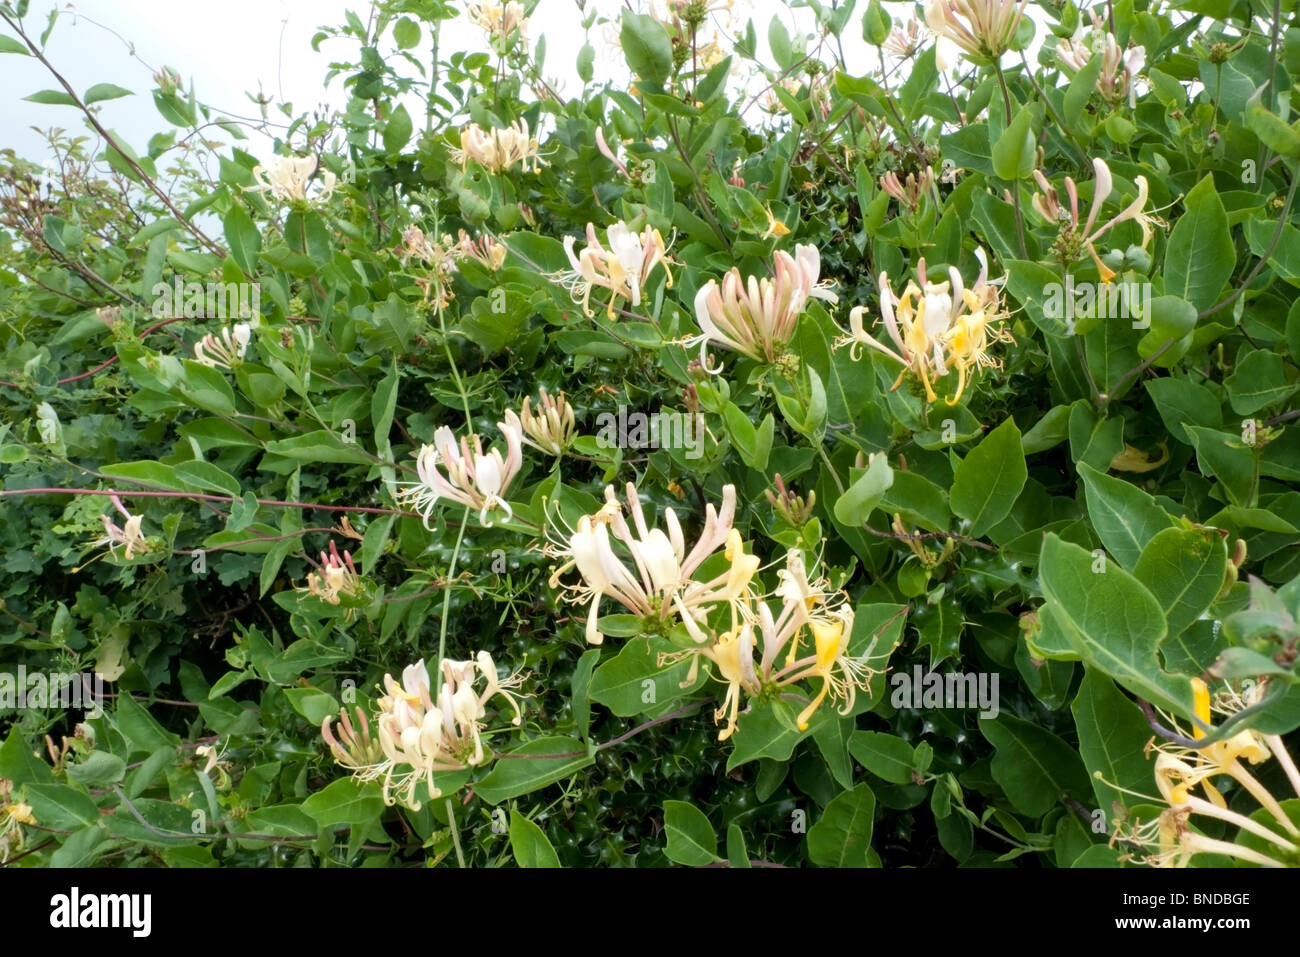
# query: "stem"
455,833
1015,186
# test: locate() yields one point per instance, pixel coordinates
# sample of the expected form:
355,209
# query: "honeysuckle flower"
439,256
1075,237
1181,769
654,578
498,20
227,349
12,817
775,228
497,150
757,317
288,179
981,28
804,603
417,738
1118,67
337,577
473,478
623,268
910,192
905,41
936,326
552,427
484,250
129,534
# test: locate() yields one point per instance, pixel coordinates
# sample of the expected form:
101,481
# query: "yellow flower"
1180,770
935,326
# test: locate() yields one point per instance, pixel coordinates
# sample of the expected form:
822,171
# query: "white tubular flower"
473,478
1181,767
225,351
288,179
415,739
498,20
497,150
623,268
983,29
1119,68
934,326
1076,236
653,578
129,534
337,577
552,427
757,317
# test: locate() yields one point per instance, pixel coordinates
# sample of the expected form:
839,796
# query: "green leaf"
691,840
988,481
533,766
51,98
10,45
529,843
104,91
1014,152
1124,517
737,853
1181,401
397,131
1184,569
344,802
887,756
406,33
1111,620
632,682
1113,736
1222,455
855,505
207,476
98,770
59,806
244,239
1034,768
646,45
1258,381
1200,256
319,446
842,835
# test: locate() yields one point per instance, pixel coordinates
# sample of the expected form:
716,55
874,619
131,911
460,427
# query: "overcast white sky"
231,47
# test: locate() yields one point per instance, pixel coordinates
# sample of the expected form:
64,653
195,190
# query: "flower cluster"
498,150
498,20
623,268
289,179
653,576
649,573
1169,840
415,736
936,326
1076,237
472,477
551,428
225,351
1118,67
13,814
911,191
748,656
983,29
130,534
337,577
439,256
757,317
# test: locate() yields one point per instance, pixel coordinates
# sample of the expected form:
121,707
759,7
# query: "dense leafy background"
1156,448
